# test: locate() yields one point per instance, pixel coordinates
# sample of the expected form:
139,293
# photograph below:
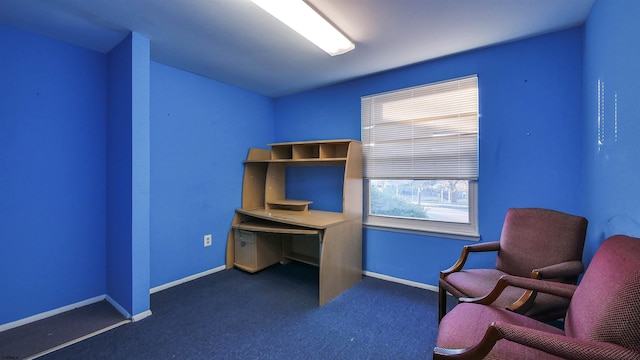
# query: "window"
420,148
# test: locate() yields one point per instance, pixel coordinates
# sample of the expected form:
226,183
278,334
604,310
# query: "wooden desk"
338,243
277,229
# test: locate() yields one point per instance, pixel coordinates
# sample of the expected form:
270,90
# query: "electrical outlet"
207,240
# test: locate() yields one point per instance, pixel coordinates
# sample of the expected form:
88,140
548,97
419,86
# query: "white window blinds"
424,132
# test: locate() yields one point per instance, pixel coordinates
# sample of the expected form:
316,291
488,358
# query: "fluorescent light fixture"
299,16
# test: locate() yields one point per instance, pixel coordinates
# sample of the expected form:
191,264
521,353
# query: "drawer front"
245,236
245,249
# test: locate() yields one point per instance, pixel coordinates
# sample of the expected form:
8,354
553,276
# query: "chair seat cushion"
456,332
479,282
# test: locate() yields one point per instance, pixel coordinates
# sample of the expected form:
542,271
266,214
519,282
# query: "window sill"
449,234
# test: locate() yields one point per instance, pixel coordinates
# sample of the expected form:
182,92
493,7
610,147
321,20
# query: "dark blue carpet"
273,314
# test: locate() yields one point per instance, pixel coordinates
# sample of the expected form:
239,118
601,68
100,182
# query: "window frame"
436,228
461,231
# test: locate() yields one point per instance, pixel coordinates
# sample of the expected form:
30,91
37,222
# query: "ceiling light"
299,16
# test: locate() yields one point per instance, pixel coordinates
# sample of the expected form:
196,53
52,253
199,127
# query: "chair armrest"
545,286
565,269
477,351
483,247
563,346
532,287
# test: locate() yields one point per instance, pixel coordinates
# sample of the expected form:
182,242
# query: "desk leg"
230,253
341,259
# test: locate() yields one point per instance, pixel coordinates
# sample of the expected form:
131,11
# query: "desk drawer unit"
255,251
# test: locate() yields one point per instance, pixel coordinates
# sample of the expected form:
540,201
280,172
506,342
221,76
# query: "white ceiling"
236,42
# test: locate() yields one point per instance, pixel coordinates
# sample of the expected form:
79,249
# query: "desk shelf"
306,259
274,228
287,204
302,162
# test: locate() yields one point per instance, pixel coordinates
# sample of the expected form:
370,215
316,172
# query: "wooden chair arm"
567,269
483,247
549,287
478,351
524,302
541,285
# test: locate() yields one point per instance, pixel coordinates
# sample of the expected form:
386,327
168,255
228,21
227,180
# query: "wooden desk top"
315,219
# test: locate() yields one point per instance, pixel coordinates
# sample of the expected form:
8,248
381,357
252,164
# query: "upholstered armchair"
534,243
602,321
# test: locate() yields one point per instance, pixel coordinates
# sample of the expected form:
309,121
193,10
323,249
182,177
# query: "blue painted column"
141,269
128,177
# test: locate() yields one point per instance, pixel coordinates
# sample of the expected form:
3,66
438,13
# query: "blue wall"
201,131
88,142
530,139
612,126
52,174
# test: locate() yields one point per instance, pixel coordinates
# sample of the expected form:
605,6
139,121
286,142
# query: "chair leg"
442,303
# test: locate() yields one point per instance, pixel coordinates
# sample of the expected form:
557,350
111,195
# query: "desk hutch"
269,228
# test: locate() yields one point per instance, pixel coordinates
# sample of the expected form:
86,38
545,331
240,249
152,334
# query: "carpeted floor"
272,314
38,338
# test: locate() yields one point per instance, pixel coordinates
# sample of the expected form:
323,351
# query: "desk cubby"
305,151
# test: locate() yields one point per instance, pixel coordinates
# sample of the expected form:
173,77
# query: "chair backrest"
606,305
533,238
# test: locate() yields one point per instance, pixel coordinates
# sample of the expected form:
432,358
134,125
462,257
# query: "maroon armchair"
602,321
534,243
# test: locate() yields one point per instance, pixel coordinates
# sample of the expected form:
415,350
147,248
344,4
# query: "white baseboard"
115,304
140,316
50,313
186,279
118,307
401,281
